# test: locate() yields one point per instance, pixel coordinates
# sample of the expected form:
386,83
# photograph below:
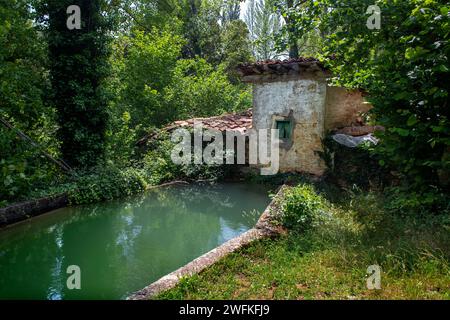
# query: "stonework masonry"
298,92
303,101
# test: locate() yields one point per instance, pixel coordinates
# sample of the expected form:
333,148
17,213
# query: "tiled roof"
279,66
229,122
239,122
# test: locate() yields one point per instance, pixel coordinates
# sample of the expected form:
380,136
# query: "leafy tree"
231,10
235,48
263,23
404,67
144,15
298,34
143,65
78,65
23,86
200,91
22,63
292,38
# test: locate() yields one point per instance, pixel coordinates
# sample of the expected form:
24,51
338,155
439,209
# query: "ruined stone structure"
294,97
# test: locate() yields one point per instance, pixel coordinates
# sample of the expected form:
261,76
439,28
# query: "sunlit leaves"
405,69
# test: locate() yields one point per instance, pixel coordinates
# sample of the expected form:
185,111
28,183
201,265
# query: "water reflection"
123,245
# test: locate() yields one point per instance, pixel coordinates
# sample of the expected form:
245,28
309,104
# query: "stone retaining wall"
28,209
32,208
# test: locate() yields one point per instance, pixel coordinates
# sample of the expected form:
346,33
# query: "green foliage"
264,23
144,15
158,164
354,166
108,183
121,140
301,208
23,86
100,183
143,67
78,65
426,202
156,87
22,62
160,168
22,168
213,32
198,90
235,48
404,67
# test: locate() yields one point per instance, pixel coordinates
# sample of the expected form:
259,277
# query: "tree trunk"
293,46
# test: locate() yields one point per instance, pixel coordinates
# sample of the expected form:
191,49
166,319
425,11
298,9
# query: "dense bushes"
301,208
22,167
107,184
404,68
160,167
112,181
96,184
77,67
404,201
23,87
55,80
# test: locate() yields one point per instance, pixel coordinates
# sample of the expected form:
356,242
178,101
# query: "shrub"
160,168
22,168
426,202
158,164
121,139
301,208
404,68
107,184
101,183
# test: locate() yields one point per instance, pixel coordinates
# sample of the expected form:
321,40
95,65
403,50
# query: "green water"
122,246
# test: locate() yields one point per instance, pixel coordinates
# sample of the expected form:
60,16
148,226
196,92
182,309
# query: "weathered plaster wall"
304,100
343,107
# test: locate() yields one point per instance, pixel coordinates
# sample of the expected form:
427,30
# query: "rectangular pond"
122,246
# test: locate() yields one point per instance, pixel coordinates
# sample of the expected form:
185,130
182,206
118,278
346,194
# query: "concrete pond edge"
264,228
28,209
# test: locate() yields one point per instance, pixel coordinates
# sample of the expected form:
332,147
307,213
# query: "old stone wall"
302,100
28,209
313,108
343,107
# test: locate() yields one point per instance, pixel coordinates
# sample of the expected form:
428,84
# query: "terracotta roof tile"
279,66
239,122
235,122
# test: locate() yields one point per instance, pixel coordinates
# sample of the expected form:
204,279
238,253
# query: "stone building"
294,97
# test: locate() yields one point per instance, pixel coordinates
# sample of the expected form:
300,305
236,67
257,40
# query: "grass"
330,261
